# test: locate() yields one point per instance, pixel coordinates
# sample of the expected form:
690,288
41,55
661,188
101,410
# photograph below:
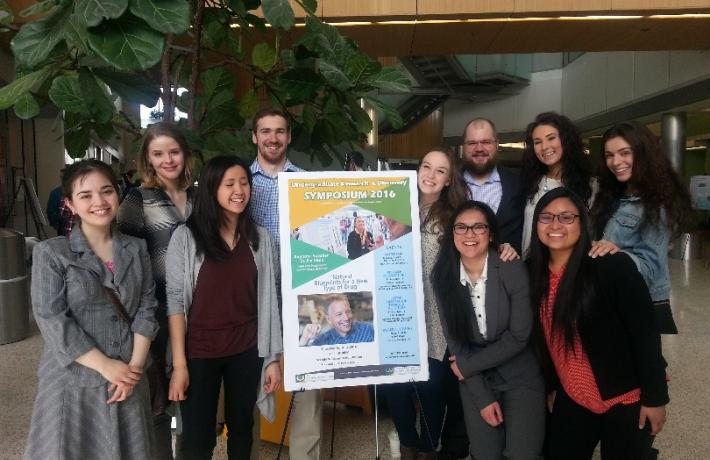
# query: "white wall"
512,113
590,85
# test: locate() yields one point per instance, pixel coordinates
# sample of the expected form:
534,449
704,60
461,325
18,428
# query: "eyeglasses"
485,143
478,229
566,218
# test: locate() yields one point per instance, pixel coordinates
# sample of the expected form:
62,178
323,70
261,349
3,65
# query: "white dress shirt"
477,290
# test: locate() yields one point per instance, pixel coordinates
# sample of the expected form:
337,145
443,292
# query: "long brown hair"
147,172
451,195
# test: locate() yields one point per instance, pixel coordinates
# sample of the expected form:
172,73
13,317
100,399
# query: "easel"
40,220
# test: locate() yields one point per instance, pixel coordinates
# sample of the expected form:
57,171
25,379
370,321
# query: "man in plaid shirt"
271,134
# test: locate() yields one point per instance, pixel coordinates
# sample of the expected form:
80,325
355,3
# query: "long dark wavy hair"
208,216
452,297
575,170
652,180
451,196
575,293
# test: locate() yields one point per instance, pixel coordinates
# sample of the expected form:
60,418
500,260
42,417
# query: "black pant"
574,431
241,374
454,438
401,399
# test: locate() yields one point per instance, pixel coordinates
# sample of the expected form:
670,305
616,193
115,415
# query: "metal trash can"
14,298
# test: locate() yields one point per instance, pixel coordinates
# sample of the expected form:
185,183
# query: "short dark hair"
208,216
148,174
83,168
479,120
269,112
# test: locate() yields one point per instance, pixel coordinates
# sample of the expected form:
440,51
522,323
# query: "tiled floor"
685,437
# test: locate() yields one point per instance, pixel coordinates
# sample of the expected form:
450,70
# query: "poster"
351,281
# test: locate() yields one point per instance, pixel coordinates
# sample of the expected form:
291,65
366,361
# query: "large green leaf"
213,32
66,94
38,8
334,76
127,43
37,39
309,5
26,107
216,80
249,104
77,141
167,16
389,79
361,119
133,88
301,84
11,93
359,67
391,114
94,11
263,56
75,33
222,117
97,100
279,13
6,15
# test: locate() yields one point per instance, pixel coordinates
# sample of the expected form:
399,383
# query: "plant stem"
197,27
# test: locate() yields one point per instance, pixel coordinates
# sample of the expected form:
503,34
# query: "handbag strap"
117,305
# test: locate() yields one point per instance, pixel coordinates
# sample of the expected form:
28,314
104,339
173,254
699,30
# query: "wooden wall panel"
392,9
415,142
468,8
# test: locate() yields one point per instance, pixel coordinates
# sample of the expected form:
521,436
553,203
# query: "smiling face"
271,136
434,174
340,317
555,235
479,148
167,159
94,199
548,146
234,191
359,225
619,158
469,244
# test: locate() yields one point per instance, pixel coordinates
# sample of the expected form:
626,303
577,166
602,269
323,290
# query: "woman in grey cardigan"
92,400
222,313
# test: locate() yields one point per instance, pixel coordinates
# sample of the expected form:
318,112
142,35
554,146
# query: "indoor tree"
81,55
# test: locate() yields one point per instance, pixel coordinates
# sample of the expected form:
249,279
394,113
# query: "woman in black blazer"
601,351
485,308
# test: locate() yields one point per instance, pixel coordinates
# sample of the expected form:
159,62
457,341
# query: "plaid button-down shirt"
264,205
489,191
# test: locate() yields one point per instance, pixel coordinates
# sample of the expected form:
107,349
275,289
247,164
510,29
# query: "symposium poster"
351,281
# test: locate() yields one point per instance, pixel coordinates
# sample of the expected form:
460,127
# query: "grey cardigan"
182,265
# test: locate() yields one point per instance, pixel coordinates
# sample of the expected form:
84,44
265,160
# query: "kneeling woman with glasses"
485,308
601,351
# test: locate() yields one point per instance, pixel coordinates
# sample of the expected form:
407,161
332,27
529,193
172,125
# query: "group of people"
546,292
185,279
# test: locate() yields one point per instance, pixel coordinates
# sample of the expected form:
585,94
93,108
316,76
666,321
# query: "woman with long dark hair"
440,191
222,313
554,157
485,308
600,348
92,297
152,212
641,206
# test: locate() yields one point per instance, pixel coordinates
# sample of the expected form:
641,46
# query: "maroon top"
223,315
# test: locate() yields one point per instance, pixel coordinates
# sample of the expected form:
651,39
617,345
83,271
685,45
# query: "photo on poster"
352,290
335,319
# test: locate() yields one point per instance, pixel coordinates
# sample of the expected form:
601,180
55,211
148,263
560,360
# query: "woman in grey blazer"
92,401
485,308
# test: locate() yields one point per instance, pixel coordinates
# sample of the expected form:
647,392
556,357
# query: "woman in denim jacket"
640,208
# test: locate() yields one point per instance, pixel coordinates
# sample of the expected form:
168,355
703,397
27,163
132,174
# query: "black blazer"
619,335
511,209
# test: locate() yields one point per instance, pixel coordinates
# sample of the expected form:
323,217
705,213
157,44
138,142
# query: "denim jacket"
647,245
